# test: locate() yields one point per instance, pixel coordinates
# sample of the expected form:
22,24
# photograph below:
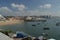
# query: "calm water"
38,29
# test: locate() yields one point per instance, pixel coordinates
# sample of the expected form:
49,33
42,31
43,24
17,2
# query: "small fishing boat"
46,28
58,24
33,25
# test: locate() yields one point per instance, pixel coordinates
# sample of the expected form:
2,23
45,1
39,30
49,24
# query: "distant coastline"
10,20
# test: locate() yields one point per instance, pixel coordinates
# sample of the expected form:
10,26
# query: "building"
29,18
2,18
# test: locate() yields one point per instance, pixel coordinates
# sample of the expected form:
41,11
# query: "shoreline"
10,22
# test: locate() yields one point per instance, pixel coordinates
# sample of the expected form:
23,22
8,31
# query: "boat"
51,39
46,28
58,24
38,23
33,25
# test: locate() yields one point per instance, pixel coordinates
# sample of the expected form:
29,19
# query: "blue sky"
30,7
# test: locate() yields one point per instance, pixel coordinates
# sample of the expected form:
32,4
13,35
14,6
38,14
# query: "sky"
29,7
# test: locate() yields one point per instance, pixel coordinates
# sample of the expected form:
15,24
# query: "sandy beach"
10,22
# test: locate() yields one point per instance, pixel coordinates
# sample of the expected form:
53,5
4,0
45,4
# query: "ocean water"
37,30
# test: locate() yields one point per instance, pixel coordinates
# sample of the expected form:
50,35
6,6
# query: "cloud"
46,6
8,12
38,13
5,11
20,7
22,10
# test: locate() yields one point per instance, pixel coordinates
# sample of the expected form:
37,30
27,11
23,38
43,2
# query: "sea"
38,29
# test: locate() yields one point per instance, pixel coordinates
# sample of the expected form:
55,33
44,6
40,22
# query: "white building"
40,18
29,18
2,18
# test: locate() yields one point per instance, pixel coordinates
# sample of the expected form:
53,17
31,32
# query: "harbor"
36,28
29,19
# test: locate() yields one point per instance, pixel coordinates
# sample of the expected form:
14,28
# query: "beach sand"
10,22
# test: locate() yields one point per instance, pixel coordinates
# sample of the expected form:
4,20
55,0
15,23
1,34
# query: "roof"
4,37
